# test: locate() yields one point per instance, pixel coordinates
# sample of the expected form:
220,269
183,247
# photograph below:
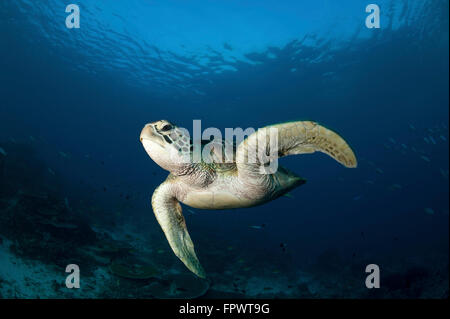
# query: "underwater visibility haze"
76,179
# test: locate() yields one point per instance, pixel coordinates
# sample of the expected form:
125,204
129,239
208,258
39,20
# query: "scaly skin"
232,185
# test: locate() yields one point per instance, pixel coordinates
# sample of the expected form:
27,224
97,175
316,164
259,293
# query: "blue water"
88,92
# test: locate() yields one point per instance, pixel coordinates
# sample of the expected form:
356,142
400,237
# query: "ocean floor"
41,232
109,274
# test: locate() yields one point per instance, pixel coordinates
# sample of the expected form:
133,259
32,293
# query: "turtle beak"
146,133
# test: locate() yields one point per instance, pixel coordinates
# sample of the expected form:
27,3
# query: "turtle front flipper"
291,138
168,212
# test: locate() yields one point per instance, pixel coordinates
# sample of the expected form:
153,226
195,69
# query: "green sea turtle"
221,185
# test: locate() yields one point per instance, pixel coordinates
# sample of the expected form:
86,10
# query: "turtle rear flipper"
168,212
292,138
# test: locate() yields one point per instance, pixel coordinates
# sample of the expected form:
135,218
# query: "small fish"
227,46
50,171
32,138
357,197
392,140
379,171
432,140
426,159
191,211
429,211
160,251
395,187
66,203
62,154
258,227
2,151
426,140
412,127
370,182
443,138
288,195
404,146
444,173
413,149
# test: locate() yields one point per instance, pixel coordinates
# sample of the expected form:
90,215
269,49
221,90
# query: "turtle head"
166,144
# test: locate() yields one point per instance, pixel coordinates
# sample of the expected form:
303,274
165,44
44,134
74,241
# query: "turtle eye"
166,127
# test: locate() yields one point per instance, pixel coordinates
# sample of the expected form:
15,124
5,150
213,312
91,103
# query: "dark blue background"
89,91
